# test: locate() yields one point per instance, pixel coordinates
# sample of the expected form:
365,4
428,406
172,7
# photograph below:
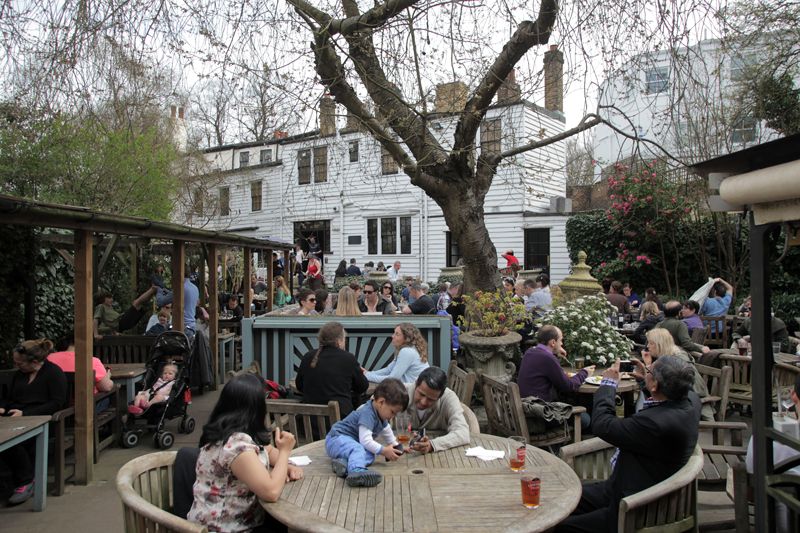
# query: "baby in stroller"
158,393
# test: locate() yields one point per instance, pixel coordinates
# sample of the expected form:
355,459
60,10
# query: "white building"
685,99
341,187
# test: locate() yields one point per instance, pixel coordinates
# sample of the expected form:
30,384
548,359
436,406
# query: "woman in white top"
411,356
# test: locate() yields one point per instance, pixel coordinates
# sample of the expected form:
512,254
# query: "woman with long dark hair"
330,372
341,270
235,467
411,356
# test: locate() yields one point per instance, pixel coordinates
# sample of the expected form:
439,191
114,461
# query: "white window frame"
398,238
656,80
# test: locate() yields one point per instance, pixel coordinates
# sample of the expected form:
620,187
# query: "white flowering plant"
588,332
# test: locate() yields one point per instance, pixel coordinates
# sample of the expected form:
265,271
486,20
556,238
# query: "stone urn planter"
492,355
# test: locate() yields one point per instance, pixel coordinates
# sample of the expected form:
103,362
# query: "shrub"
492,314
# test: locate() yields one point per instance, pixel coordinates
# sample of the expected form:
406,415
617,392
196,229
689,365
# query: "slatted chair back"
699,335
741,390
145,486
668,506
315,420
784,374
461,382
590,459
124,349
717,336
504,408
472,420
718,382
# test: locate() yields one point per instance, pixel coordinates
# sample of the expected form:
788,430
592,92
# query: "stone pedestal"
529,274
492,355
378,275
580,283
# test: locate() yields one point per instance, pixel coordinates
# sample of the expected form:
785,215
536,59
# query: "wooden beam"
178,262
247,293
67,257
84,383
213,309
270,280
107,253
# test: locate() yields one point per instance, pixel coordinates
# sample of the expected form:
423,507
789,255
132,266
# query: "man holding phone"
435,407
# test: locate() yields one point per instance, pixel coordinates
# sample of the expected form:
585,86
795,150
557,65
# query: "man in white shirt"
394,272
298,264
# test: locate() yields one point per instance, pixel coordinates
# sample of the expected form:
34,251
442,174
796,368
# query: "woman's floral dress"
222,502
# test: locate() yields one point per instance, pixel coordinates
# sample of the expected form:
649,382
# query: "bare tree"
580,162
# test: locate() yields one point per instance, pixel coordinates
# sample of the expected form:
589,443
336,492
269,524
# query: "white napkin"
300,460
486,455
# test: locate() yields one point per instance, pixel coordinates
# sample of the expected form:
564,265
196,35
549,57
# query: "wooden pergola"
85,223
765,182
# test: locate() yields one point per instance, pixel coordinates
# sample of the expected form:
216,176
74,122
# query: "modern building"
340,185
688,100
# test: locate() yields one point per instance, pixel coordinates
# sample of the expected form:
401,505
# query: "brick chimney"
327,116
509,90
450,97
280,134
353,122
554,79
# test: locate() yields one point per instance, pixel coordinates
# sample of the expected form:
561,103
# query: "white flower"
595,330
602,360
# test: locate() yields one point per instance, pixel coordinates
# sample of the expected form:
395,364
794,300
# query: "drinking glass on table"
517,448
531,487
402,423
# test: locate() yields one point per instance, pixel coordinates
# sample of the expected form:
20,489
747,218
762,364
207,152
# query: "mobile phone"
626,366
417,437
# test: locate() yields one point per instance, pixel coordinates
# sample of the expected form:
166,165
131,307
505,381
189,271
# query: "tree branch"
528,35
584,124
371,19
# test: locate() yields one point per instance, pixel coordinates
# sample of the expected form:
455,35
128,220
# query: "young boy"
158,393
351,442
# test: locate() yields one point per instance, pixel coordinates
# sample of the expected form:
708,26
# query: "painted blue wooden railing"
279,342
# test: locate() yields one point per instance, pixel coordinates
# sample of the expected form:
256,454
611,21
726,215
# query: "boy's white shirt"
373,446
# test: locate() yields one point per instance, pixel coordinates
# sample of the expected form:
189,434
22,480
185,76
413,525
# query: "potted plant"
587,331
490,340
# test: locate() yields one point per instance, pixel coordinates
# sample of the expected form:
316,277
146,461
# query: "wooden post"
84,340
202,278
213,309
270,280
287,268
247,294
178,260
134,272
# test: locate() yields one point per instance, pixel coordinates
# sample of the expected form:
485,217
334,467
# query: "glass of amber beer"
402,423
531,487
517,447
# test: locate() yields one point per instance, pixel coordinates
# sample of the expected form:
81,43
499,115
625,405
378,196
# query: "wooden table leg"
40,472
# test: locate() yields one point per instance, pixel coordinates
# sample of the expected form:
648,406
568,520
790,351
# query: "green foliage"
55,295
82,162
344,281
777,101
587,331
450,278
15,268
492,314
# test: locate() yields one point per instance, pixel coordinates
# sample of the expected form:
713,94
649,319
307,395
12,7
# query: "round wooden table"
443,491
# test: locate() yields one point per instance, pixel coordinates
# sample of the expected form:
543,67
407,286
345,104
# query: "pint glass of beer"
517,448
531,487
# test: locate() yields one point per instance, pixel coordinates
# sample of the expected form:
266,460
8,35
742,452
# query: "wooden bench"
670,505
741,391
115,349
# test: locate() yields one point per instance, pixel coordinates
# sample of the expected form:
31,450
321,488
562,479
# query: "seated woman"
38,387
307,301
330,372
633,298
411,356
387,293
660,342
283,295
235,469
347,303
107,321
650,318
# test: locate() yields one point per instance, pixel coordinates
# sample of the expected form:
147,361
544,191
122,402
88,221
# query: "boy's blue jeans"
344,447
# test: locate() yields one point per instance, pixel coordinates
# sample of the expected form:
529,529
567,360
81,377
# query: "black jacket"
337,376
653,444
45,395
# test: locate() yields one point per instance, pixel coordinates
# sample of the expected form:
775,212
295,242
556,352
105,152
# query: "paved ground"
97,508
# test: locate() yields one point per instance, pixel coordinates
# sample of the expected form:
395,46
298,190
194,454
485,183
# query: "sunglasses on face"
369,292
385,288
311,300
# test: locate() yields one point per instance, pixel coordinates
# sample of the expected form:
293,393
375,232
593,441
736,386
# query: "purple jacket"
540,373
693,322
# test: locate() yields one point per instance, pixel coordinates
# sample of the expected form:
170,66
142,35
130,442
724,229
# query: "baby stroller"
167,347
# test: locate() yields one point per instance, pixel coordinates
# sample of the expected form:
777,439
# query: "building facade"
341,186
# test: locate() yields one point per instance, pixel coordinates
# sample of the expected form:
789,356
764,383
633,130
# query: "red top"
510,260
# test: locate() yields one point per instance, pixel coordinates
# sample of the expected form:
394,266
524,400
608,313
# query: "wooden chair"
669,506
145,486
718,381
316,420
699,334
506,417
118,349
472,420
741,390
461,382
717,331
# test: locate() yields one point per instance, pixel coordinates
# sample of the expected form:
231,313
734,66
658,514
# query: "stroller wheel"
164,440
130,439
187,425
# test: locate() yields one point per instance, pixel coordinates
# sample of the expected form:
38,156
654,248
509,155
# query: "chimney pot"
327,116
554,79
451,97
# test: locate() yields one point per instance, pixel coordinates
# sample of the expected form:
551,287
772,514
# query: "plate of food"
594,380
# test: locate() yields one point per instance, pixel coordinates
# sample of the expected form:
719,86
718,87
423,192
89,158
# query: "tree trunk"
464,216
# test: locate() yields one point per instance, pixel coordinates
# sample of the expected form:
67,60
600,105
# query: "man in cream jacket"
436,408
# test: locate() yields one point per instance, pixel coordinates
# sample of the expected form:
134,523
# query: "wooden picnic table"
129,374
443,491
17,429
